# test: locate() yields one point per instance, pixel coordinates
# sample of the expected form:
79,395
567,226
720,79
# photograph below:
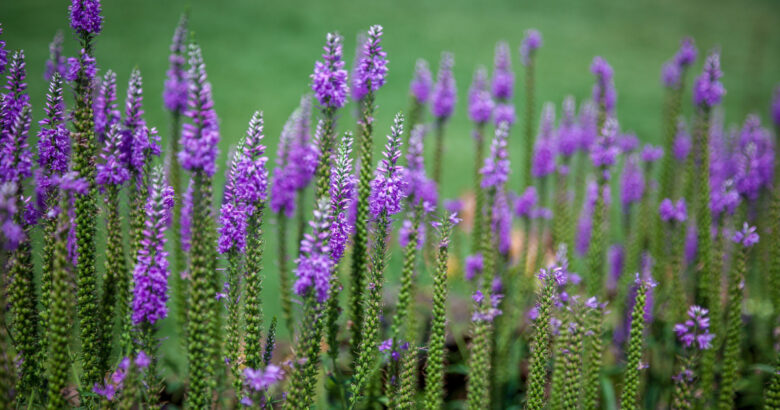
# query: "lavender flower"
186,218
419,188
544,151
388,186
604,152
695,331
495,171
53,141
604,93
329,80
682,142
150,292
176,85
296,159
671,74
708,90
485,313
342,188
111,169
233,213
420,88
526,203
616,257
262,379
747,236
568,131
651,153
503,77
474,265
588,120
199,139
372,67
251,174
632,182
85,16
673,212
687,53
83,63
315,263
480,103
531,42
15,99
502,221
444,92
106,112
504,113
754,159
57,63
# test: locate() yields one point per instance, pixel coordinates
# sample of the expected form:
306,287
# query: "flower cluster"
604,152
444,91
342,188
480,103
329,80
671,72
200,137
503,77
486,311
747,236
632,182
604,93
420,87
708,90
315,263
695,331
531,42
372,67
111,170
495,171
175,91
296,159
670,211
57,63
85,16
543,162
105,108
389,185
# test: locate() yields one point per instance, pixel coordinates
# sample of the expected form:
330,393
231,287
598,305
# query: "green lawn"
259,55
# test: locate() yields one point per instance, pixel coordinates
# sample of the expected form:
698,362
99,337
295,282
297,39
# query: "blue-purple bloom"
315,263
113,384
389,185
495,171
531,42
708,90
754,159
502,221
604,93
372,67
232,214
53,141
262,379
251,173
747,236
568,131
632,182
150,276
175,91
57,63
504,112
616,258
670,211
419,188
526,203
483,312
543,162
480,102
588,120
199,138
329,80
105,108
85,16
3,52
444,92
503,77
695,331
682,141
422,82
604,152
342,187
111,170
651,153
84,63
473,266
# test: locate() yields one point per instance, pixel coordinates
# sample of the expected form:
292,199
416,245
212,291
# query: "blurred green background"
259,55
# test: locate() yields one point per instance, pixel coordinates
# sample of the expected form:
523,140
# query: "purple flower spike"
588,125
673,212
3,52
682,141
604,152
329,80
504,113
495,171
57,63
199,138
186,218
687,53
85,16
262,379
604,93
372,67
568,131
420,88
526,202
708,90
480,103
671,74
175,92
695,331
419,187
389,185
747,236
474,265
85,63
315,263
651,153
342,188
150,276
106,111
444,92
111,170
251,174
632,182
232,214
531,42
754,159
502,221
53,139
503,77
544,150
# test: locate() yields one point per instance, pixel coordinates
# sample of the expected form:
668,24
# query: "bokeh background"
259,55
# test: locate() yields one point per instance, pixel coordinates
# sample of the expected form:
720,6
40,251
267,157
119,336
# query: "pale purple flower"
421,85
604,152
588,121
142,360
543,162
682,141
419,188
627,142
251,173
754,159
199,138
526,203
233,213
444,91
695,331
485,310
342,187
747,236
616,258
372,67
329,80
113,383
105,107
568,130
531,42
687,53
495,171
296,160
150,276
670,211
708,90
671,74
504,113
604,93
632,182
111,170
85,64
53,142
388,186
503,78
57,63
651,153
502,221
175,91
691,245
262,379
315,263
480,103
473,266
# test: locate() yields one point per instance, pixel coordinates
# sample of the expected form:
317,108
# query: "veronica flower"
315,262
531,42
604,152
419,188
342,186
53,142
444,91
388,185
420,87
480,103
708,90
233,213
372,66
502,221
503,77
85,16
673,212
754,159
569,131
176,82
329,80
632,183
682,142
199,138
106,112
604,93
544,150
57,63
150,276
495,172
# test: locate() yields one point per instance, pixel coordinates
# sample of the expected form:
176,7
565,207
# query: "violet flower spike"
531,42
232,214
480,103
495,171
503,78
747,237
57,63
176,85
315,263
543,162
444,91
329,80
342,187
85,16
604,93
372,67
251,173
420,87
111,169
105,107
389,185
708,90
199,138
